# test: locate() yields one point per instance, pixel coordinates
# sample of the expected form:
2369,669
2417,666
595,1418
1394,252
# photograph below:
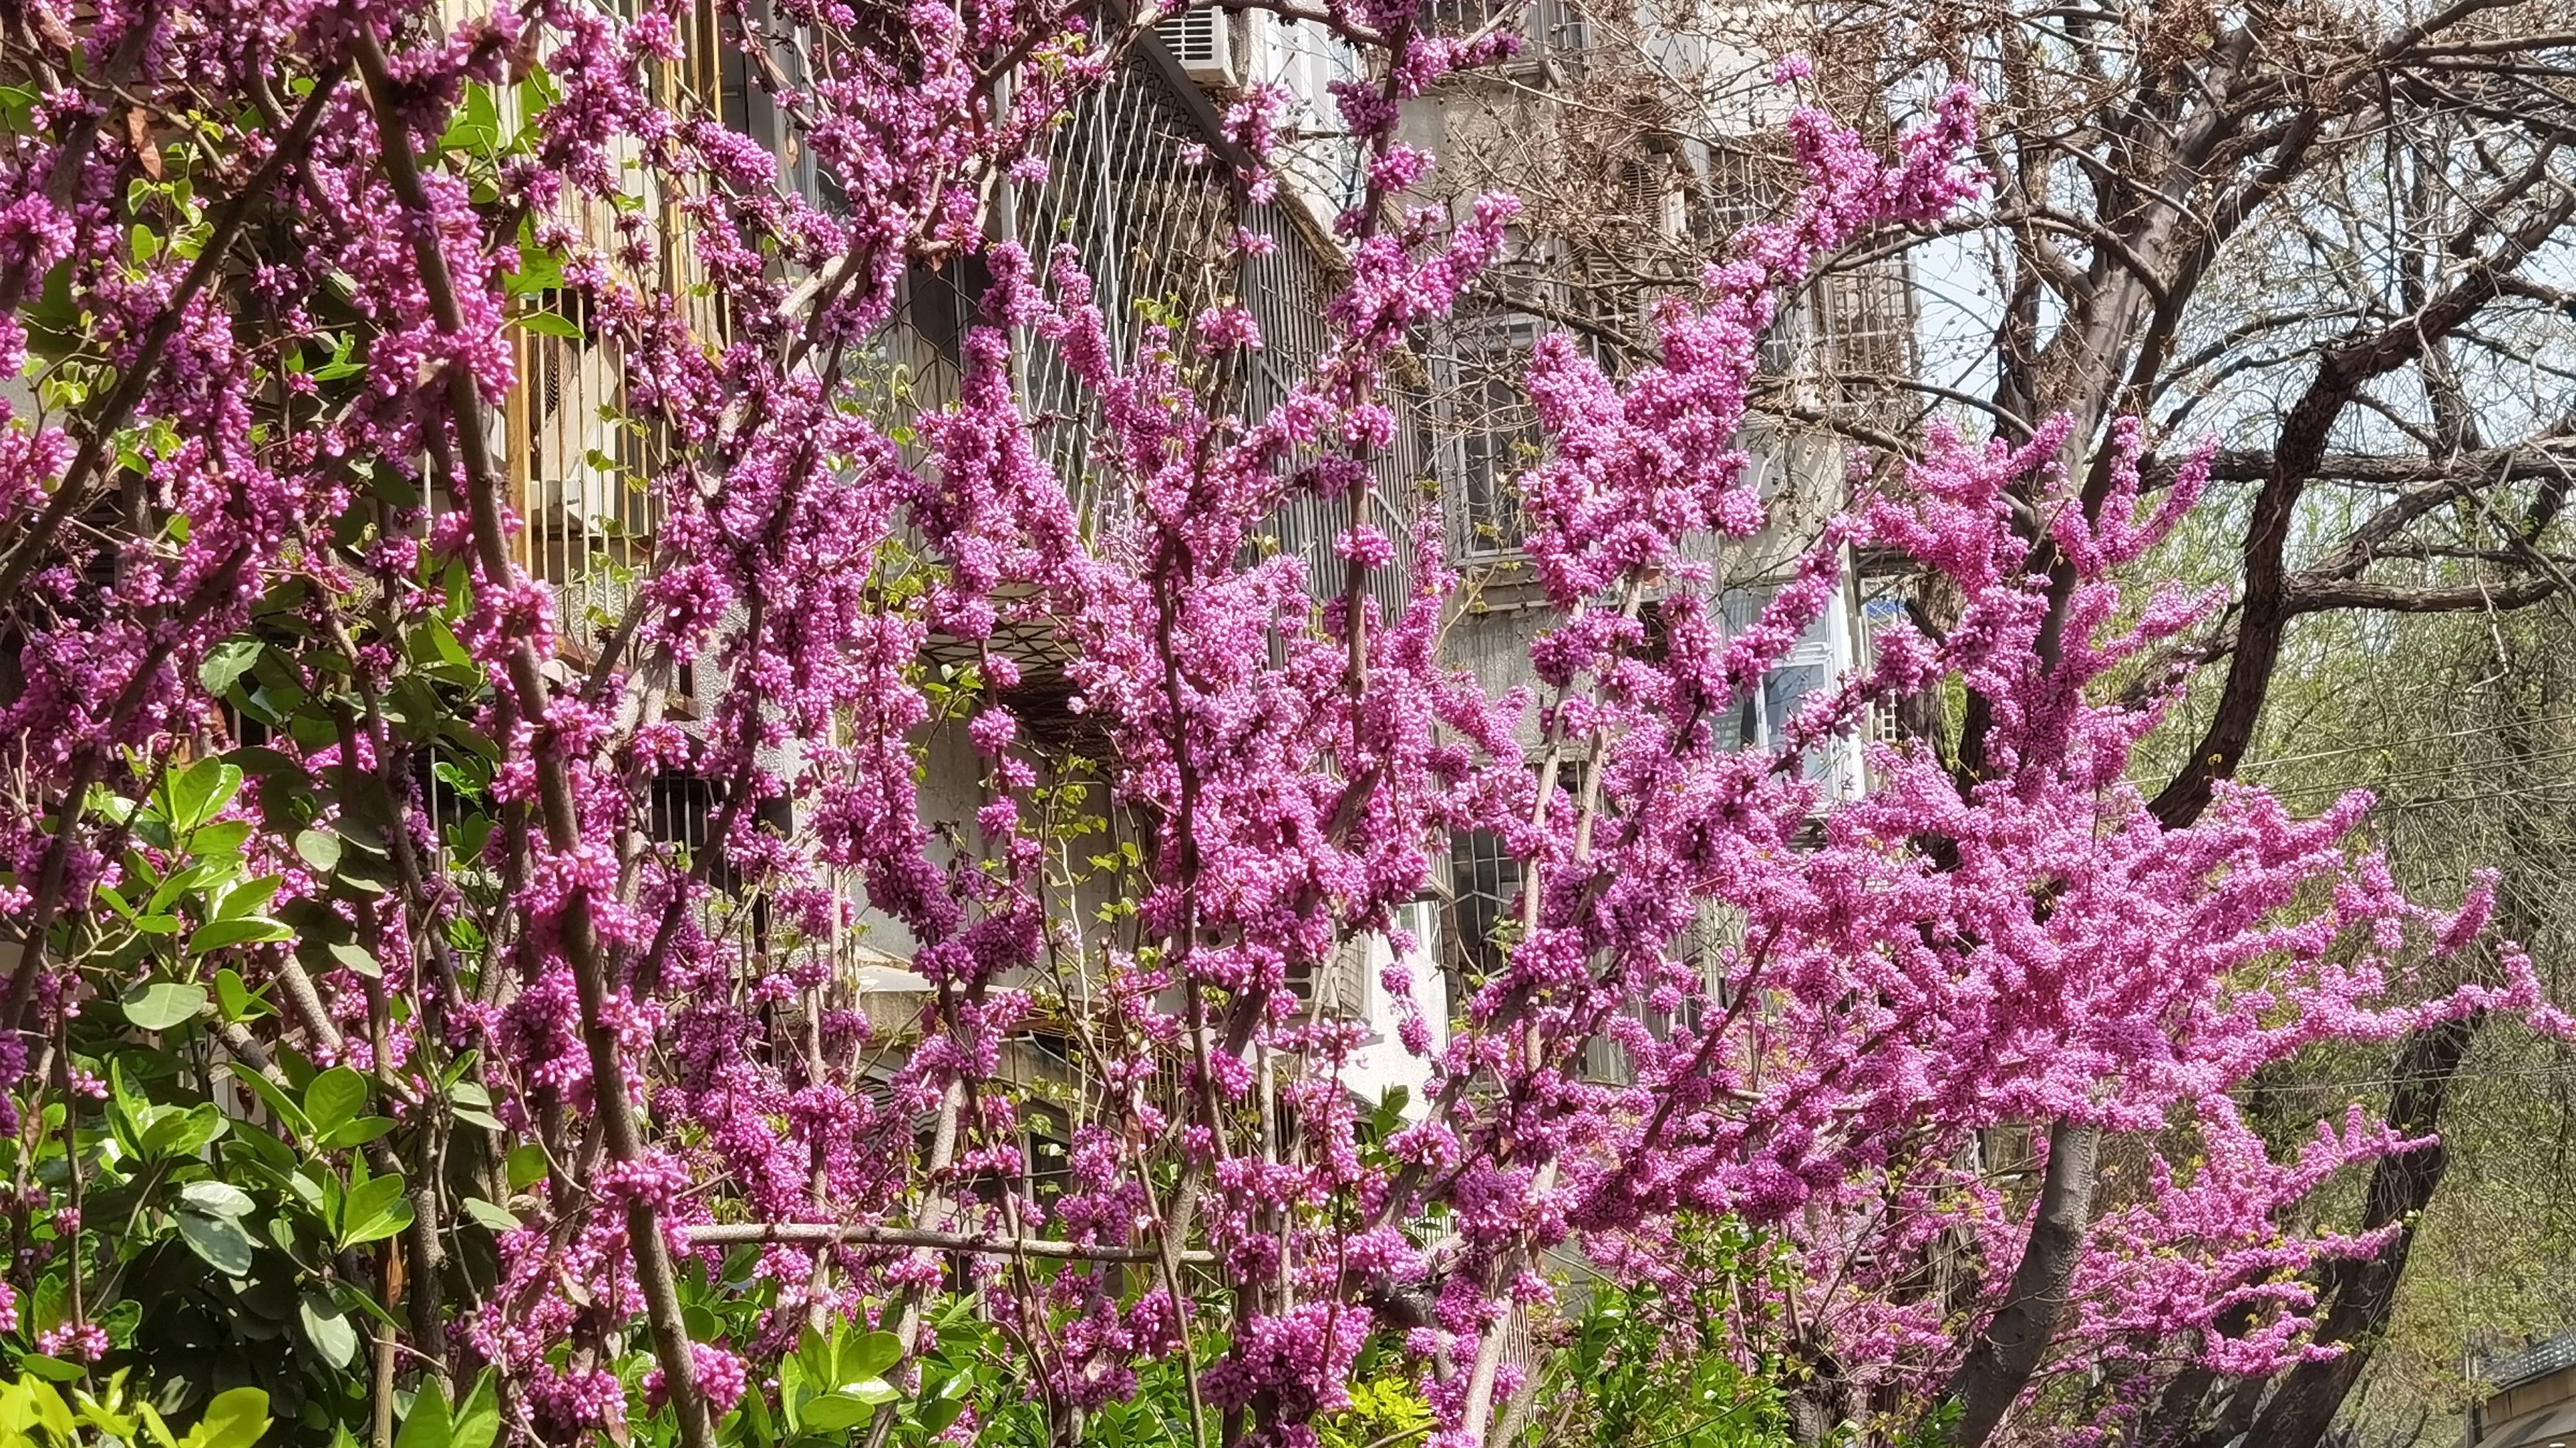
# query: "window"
1605,1061
1046,1155
1497,432
1486,883
944,304
1760,720
743,99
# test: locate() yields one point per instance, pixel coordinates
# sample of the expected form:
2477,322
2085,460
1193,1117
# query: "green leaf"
835,1411
125,1110
548,324
539,270
160,1005
870,1355
320,1199
335,1098
319,849
235,999
53,1412
216,1199
199,791
248,930
376,1209
220,1240
527,1166
478,1420
240,900
359,1132
119,1322
52,1367
235,1419
288,1113
499,1219
223,838
428,1426
328,1328
450,648
355,957
474,1104
225,664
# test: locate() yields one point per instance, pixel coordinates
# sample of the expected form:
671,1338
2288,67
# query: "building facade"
1141,184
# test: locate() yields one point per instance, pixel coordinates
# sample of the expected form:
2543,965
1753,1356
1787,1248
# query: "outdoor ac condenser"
1205,42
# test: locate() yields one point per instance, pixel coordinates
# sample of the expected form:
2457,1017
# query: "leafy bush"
33,1411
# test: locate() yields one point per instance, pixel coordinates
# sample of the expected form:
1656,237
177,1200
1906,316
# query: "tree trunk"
2303,1406
2005,1355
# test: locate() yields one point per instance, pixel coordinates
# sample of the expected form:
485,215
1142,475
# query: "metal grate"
1134,186
1485,879
2536,1361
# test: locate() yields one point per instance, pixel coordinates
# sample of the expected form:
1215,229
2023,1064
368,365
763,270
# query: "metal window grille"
2537,1361
1151,215
1760,719
1485,881
1494,430
585,477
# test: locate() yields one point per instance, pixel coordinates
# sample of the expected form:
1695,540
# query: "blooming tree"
357,1008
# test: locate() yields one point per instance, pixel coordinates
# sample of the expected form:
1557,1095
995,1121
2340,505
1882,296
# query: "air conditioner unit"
1208,46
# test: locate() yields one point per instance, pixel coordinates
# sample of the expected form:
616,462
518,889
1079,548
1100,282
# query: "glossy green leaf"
428,1425
52,1411
869,1355
162,1005
223,838
835,1411
196,793
375,1209
182,1133
236,1000
241,900
216,1199
225,664
247,930
474,1104
477,1423
319,849
290,1115
359,1132
328,1328
335,1098
219,1240
527,1166
549,324
235,1419
51,1367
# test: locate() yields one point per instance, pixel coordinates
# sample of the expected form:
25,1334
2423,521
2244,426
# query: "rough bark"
2303,1403
2016,1339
